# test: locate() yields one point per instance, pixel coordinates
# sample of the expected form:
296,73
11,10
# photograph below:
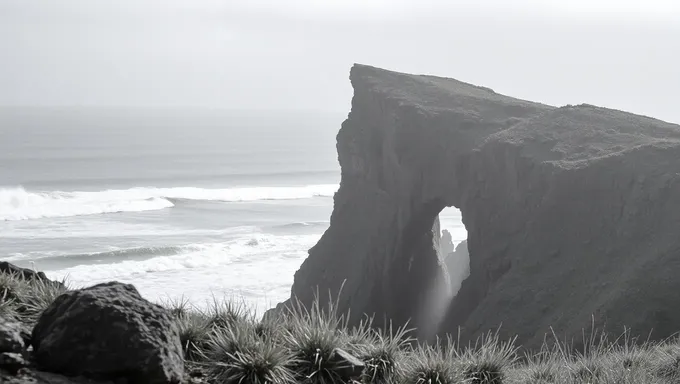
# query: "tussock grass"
540,368
195,326
226,313
260,363
23,299
383,354
229,344
430,364
313,335
488,360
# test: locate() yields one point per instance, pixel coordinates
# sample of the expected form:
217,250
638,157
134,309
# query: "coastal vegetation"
226,343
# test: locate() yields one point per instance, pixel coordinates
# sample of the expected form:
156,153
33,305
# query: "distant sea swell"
17,203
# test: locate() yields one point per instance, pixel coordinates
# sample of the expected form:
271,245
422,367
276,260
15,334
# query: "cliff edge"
571,212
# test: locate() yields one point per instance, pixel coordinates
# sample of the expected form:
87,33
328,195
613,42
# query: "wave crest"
19,204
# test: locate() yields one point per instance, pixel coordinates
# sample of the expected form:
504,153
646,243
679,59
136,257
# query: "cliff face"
570,212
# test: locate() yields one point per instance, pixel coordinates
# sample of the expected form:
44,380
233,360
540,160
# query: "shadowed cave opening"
433,262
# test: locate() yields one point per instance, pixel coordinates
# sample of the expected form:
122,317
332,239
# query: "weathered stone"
556,203
109,331
10,337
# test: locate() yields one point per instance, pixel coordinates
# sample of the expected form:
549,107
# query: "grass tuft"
25,300
382,356
312,336
488,359
430,364
227,313
194,331
541,368
234,354
260,363
667,362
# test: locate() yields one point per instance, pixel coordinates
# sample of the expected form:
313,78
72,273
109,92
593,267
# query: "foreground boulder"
572,213
109,331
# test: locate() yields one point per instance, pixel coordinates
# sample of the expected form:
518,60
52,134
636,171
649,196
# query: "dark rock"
26,273
351,366
12,362
556,203
11,339
109,331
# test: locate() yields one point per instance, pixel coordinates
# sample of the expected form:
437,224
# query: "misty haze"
238,182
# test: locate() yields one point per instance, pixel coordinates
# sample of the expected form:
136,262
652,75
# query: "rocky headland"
571,213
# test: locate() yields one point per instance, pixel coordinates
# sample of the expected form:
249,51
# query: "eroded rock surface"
570,212
108,331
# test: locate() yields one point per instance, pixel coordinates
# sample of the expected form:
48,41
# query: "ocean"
183,203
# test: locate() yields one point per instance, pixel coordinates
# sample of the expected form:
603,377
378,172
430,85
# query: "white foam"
78,229
16,203
259,268
195,256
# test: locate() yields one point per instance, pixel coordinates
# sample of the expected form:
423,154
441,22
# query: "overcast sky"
280,54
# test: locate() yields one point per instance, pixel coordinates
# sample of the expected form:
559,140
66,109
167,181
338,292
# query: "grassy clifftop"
228,344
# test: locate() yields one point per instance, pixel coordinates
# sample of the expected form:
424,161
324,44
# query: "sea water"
191,204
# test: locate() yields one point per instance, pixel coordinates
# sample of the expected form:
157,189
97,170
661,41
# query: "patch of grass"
487,360
667,362
25,300
194,325
235,354
313,335
382,356
177,306
271,328
430,364
13,287
228,344
225,342
8,310
629,356
260,363
541,368
194,332
226,313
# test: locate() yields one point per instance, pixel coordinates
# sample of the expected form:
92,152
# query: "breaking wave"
19,204
236,254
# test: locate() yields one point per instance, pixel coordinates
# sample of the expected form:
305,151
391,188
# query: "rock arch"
568,211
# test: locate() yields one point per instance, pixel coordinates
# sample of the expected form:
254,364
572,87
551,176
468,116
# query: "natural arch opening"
418,278
449,239
453,246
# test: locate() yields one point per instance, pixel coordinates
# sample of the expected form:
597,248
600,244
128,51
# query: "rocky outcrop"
26,274
108,331
571,212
